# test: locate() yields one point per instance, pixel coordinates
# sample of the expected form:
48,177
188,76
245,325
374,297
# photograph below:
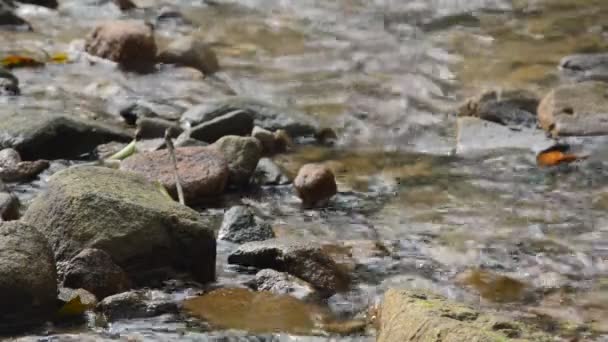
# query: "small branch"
178,183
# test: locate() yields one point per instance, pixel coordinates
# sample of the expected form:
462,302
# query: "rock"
9,206
126,216
203,172
95,271
298,258
282,141
184,140
238,122
44,3
242,154
421,316
129,43
266,138
9,84
144,109
8,19
150,128
315,183
136,304
169,14
575,110
28,289
269,173
283,284
585,67
240,225
265,115
326,136
75,303
124,5
190,52
23,171
509,108
9,158
476,135
37,135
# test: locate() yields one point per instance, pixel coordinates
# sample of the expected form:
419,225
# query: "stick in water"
178,183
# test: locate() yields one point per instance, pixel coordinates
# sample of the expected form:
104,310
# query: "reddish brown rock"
23,171
202,171
315,183
129,43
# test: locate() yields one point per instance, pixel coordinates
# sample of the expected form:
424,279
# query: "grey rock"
479,136
131,112
266,138
510,108
585,67
9,157
137,304
9,206
191,52
28,288
269,173
9,84
578,109
184,140
238,122
301,259
240,225
150,128
38,135
265,115
126,216
242,155
95,271
283,284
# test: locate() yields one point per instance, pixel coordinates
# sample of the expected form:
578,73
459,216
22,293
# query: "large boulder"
126,216
203,172
191,52
578,109
265,115
420,316
28,288
301,259
130,43
242,154
48,136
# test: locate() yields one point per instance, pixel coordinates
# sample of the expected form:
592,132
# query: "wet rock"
75,303
150,128
265,115
184,140
124,5
9,84
283,284
475,135
315,184
237,122
95,271
240,225
169,14
510,108
575,110
269,173
190,52
45,3
203,172
282,141
144,109
129,43
9,157
126,216
492,286
9,206
421,316
136,304
266,138
28,289
47,136
585,67
242,154
298,258
8,19
23,171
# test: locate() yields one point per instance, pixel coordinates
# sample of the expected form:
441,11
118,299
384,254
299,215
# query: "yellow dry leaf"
60,58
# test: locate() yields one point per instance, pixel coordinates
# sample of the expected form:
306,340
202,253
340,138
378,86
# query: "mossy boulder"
125,215
421,316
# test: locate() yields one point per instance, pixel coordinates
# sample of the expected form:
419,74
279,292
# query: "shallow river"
492,230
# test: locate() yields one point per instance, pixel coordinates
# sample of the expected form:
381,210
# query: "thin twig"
178,183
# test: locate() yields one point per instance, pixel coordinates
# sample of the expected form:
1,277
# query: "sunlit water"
386,75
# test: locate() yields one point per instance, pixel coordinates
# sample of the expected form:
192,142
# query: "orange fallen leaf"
556,155
16,61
